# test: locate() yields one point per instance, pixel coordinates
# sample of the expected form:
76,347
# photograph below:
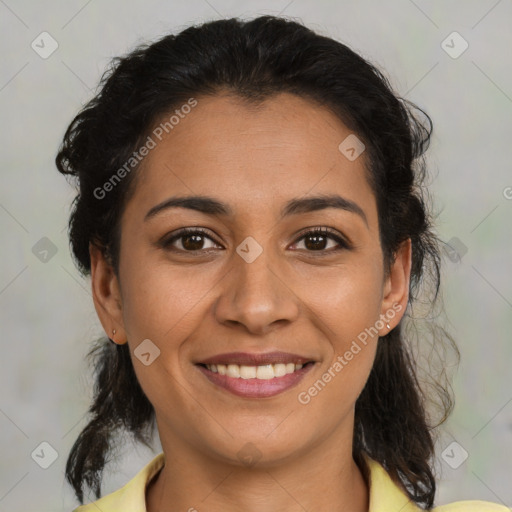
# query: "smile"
263,372
261,381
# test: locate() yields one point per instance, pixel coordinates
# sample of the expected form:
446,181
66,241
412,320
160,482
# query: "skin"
293,298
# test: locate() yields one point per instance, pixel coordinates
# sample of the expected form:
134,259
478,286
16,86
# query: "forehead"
252,157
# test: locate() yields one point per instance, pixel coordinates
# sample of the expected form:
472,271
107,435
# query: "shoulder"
472,506
388,496
130,497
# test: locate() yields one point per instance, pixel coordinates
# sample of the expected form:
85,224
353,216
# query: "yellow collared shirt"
385,495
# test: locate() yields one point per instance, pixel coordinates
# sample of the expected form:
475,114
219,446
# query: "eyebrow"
211,206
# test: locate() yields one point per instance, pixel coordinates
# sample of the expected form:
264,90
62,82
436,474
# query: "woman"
251,214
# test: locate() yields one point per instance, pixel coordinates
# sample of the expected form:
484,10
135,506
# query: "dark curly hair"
255,60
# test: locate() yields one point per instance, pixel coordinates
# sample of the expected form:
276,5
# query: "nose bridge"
255,276
255,293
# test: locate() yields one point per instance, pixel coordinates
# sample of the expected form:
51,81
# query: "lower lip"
256,388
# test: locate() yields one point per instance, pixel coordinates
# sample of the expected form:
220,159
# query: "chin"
259,449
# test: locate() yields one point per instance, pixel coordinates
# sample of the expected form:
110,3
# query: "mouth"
256,375
260,372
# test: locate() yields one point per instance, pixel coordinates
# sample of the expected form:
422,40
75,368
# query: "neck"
321,480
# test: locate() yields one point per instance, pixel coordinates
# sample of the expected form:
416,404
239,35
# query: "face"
251,282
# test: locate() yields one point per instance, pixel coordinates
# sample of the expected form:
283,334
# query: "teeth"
248,372
264,372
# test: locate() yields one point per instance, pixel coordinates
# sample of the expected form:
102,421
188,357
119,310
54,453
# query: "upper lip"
246,358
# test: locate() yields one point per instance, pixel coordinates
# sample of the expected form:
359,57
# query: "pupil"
315,244
195,245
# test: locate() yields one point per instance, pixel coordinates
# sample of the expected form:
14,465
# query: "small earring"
114,331
387,325
113,334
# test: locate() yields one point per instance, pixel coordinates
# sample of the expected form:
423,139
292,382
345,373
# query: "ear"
396,288
106,295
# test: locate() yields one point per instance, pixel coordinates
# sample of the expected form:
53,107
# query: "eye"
190,240
193,240
316,240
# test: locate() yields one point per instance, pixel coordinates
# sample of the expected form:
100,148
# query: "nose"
257,296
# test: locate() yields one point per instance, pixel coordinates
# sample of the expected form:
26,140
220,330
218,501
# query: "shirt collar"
385,495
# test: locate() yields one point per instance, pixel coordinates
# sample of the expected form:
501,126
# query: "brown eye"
190,239
192,242
317,240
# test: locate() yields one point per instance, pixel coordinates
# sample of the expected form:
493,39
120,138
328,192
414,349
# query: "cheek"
345,308
347,300
163,307
158,301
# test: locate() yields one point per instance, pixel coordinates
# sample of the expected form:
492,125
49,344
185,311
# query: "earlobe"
106,295
396,287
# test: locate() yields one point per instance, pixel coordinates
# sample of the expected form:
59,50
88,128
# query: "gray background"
47,316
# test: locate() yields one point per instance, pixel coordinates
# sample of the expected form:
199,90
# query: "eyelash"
326,232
